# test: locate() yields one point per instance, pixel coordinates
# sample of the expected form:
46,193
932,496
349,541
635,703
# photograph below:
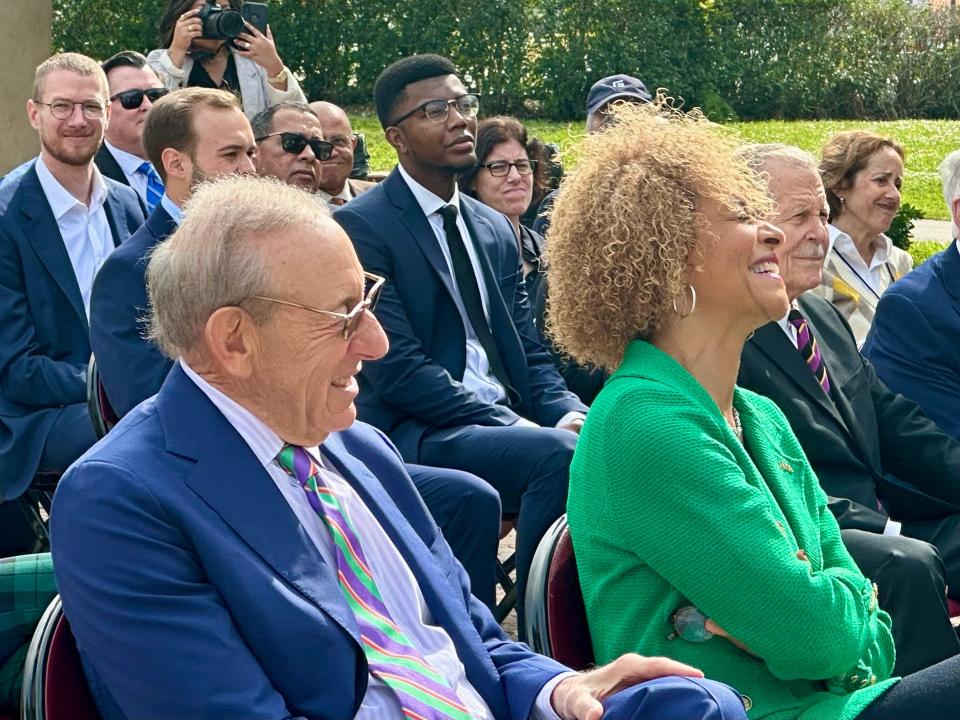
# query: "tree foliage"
736,58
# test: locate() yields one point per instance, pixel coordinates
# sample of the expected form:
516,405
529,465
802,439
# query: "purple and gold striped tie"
807,345
422,692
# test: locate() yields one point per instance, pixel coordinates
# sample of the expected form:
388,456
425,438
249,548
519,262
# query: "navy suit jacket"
109,167
131,368
44,343
193,590
915,340
418,385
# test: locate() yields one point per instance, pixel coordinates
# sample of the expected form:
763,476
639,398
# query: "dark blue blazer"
44,345
914,343
131,368
418,385
193,590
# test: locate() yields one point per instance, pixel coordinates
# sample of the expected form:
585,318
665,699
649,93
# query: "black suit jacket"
109,167
863,436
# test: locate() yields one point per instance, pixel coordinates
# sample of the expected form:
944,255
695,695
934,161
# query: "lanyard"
860,277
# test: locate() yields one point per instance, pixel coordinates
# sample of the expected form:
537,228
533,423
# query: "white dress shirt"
477,375
173,210
85,231
396,582
892,527
130,163
873,275
345,194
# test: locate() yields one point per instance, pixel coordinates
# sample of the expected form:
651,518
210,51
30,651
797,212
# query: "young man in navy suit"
466,383
240,547
59,220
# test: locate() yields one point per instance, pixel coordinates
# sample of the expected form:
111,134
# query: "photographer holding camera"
207,43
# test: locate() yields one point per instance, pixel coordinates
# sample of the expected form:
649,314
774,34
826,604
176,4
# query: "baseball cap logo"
618,83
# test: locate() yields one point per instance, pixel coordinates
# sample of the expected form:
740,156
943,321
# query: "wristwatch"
282,77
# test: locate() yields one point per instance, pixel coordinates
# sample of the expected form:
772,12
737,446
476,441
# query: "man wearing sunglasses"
290,144
466,383
134,87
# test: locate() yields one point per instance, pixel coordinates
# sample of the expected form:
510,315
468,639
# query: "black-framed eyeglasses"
133,98
501,168
372,284
342,142
438,110
63,109
294,143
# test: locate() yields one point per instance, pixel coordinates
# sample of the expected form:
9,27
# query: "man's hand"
573,425
579,698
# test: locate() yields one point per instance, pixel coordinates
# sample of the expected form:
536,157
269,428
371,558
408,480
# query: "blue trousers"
467,510
675,698
529,468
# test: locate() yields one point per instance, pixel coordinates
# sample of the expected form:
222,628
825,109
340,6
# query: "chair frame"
33,702
535,610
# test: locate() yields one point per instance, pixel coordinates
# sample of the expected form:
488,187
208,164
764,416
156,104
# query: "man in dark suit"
855,431
134,87
467,383
914,343
192,135
240,547
198,134
334,184
59,220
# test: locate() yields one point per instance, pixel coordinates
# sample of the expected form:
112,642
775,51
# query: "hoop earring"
693,303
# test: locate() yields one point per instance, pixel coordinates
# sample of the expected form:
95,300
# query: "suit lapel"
40,227
229,478
774,344
438,592
114,211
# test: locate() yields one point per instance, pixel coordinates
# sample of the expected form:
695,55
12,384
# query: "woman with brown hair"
700,530
248,65
862,173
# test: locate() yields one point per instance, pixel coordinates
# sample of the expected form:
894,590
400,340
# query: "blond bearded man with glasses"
59,220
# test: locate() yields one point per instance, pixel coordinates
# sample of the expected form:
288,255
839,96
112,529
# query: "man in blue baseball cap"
624,88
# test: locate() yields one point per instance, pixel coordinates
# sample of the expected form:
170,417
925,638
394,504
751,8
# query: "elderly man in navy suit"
59,220
466,383
240,547
914,343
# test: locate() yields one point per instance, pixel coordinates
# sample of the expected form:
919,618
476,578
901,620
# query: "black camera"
219,24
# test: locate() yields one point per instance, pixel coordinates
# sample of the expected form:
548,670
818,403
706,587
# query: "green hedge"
750,59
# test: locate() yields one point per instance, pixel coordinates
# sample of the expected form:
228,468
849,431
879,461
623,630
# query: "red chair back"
566,614
54,685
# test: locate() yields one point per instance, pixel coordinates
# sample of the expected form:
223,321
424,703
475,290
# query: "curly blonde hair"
623,233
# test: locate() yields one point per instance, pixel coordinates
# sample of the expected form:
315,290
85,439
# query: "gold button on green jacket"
668,509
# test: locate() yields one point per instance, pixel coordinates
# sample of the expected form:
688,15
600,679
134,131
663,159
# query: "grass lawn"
926,143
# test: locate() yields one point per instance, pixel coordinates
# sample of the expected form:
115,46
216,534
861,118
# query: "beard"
77,154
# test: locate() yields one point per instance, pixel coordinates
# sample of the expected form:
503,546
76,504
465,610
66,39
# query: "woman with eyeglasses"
862,173
701,532
247,65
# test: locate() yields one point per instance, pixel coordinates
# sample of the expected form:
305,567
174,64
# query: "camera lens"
229,24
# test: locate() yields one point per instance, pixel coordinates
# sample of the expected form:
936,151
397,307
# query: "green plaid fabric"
26,588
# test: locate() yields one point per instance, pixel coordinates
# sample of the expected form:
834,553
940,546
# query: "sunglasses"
294,143
132,99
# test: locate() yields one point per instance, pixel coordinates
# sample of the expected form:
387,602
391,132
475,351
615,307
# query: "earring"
693,303
843,200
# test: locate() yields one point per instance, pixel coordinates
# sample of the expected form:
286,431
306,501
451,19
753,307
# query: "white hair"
218,255
950,181
759,155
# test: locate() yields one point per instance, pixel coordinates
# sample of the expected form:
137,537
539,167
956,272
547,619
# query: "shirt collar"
785,324
128,162
427,201
345,193
263,441
173,210
60,200
883,246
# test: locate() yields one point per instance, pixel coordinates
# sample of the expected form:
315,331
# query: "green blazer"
668,509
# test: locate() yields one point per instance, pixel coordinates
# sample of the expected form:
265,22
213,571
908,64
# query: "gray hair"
759,155
950,176
218,255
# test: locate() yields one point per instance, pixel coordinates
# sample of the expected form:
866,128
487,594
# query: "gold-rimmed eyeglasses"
351,320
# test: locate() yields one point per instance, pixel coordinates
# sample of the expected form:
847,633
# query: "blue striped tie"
154,185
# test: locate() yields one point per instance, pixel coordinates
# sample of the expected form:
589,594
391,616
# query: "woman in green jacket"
700,530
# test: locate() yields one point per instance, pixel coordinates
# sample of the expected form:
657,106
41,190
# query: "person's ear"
233,341
33,113
397,139
955,211
176,164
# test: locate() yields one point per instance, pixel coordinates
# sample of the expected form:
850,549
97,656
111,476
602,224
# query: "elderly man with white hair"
915,340
239,546
856,432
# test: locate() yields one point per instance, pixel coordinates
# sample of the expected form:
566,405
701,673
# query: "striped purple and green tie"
422,692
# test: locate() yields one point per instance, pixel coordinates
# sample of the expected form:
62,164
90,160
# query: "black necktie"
466,281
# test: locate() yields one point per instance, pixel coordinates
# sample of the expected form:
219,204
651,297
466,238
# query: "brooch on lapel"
785,466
